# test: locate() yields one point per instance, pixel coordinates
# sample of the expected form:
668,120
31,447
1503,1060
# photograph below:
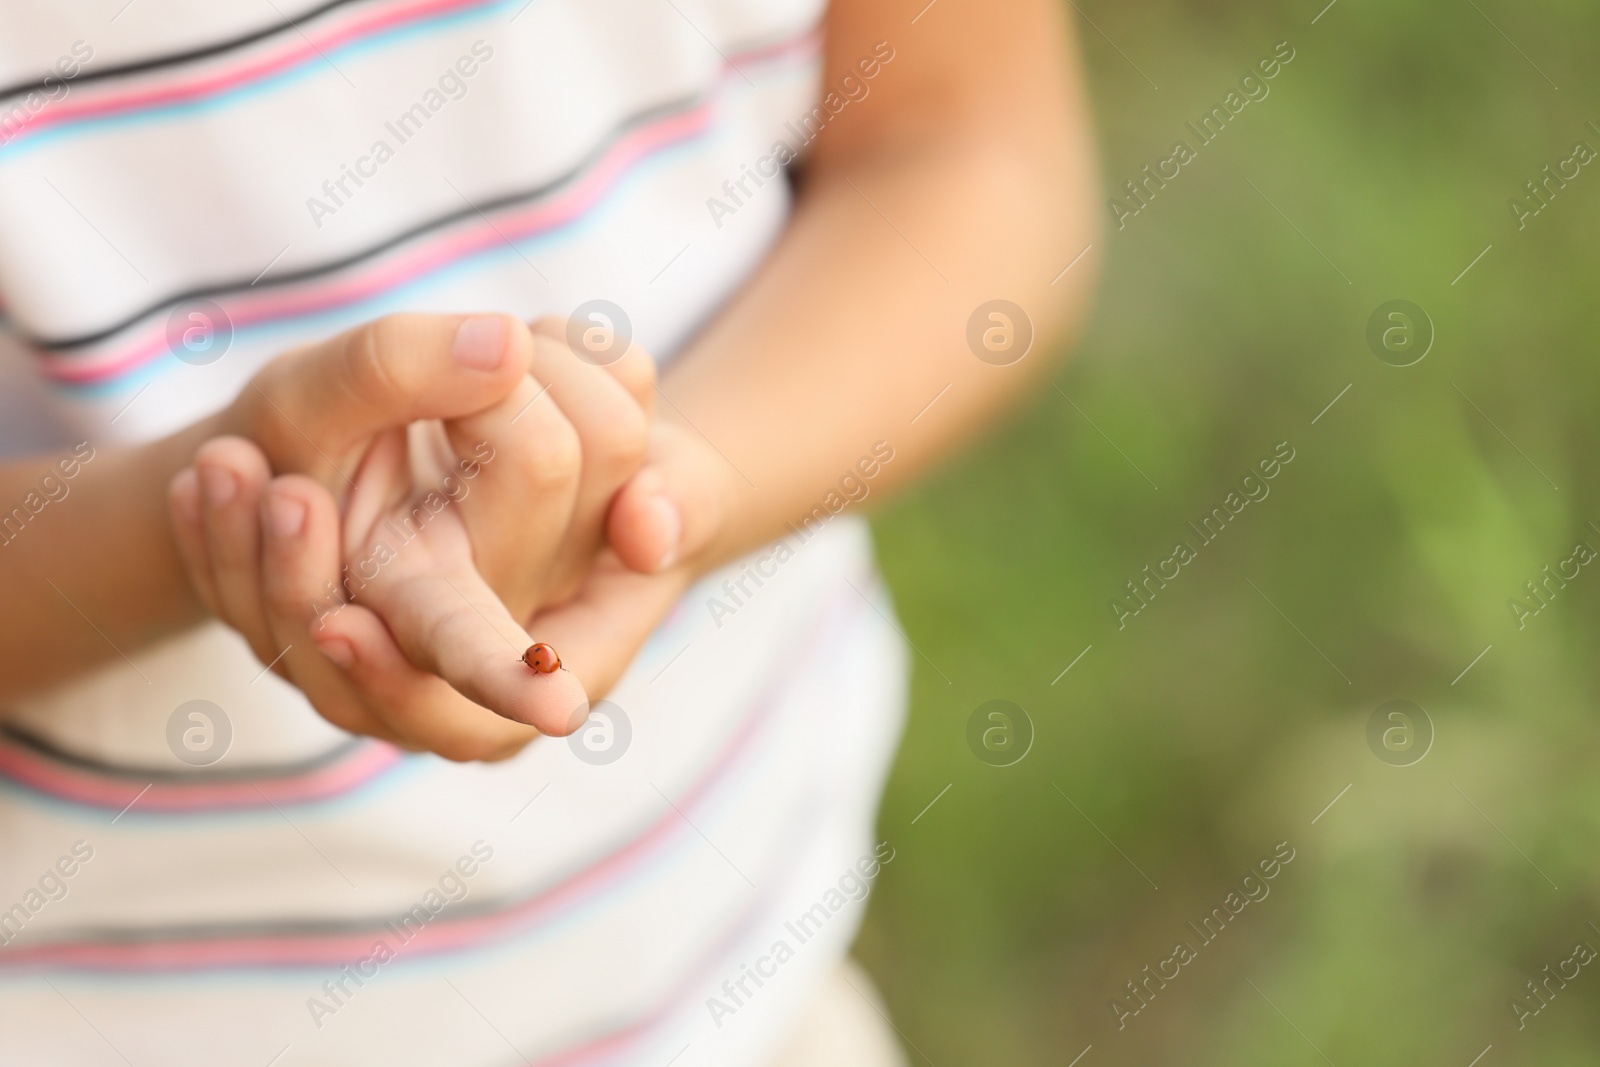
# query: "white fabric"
636,888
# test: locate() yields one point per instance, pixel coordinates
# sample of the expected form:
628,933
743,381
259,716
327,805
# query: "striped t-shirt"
672,882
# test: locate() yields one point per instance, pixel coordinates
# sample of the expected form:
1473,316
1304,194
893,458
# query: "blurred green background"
1217,724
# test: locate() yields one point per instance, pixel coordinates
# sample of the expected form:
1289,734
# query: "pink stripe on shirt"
80,785
446,934
189,87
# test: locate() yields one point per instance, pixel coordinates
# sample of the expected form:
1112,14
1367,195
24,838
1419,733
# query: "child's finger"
382,482
613,429
188,527
519,503
636,370
417,705
299,566
645,524
673,508
583,407
454,626
232,473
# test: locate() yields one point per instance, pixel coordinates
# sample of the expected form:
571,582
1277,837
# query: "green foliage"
1216,723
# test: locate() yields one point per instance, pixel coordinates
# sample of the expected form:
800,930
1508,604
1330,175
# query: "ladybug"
542,658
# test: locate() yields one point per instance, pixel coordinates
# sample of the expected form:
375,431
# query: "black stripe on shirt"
174,59
486,207
44,749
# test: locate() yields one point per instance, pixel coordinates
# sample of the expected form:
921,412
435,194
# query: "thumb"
673,508
314,409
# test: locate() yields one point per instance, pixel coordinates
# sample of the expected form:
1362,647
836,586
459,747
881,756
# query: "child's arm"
965,175
94,571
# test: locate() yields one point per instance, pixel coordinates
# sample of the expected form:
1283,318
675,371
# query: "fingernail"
285,515
219,485
667,515
337,649
481,342
186,494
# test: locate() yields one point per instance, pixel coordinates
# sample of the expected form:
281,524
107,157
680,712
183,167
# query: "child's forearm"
855,331
93,573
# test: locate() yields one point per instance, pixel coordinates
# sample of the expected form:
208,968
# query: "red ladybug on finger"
542,658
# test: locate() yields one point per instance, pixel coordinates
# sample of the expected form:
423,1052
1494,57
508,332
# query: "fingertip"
661,517
578,717
517,357
637,372
492,343
645,527
289,501
231,472
337,648
238,455
283,514
552,326
183,496
451,721
299,530
553,704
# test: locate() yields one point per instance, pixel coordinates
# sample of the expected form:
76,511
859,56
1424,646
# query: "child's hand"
520,487
475,645
565,435
436,646
425,628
